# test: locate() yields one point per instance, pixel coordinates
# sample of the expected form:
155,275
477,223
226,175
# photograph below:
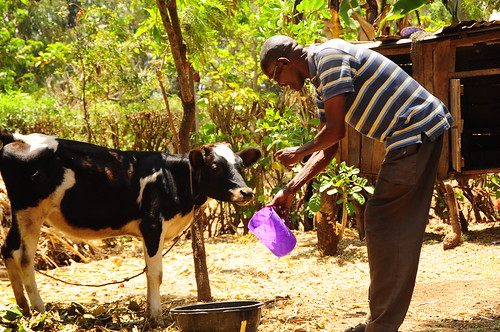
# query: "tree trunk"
200,259
170,19
326,225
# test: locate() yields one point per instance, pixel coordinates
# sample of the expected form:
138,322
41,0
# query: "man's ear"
284,61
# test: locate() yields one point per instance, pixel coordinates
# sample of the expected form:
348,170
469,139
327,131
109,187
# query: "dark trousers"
395,221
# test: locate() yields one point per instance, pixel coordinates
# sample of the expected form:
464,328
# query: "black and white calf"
91,192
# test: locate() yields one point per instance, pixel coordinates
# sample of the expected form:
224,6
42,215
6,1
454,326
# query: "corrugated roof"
443,33
467,25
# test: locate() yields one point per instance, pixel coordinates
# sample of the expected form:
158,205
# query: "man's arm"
323,148
318,162
330,133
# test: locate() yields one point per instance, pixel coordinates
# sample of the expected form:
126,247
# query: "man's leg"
396,217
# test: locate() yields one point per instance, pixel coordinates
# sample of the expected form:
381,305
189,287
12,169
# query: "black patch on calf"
31,177
13,240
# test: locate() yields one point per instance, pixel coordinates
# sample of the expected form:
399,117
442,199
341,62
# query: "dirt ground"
457,290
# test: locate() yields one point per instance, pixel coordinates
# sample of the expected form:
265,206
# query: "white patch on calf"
38,141
143,182
225,152
177,225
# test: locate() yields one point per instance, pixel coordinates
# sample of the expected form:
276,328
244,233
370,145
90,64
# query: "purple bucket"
272,231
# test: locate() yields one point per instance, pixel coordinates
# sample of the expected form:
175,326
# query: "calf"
92,192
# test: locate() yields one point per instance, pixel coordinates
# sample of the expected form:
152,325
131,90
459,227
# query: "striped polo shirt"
382,101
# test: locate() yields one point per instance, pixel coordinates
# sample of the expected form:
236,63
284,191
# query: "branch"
171,24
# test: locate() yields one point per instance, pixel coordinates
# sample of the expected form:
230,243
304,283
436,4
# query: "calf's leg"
9,250
18,254
153,244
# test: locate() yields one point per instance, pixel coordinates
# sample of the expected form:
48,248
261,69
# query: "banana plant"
352,16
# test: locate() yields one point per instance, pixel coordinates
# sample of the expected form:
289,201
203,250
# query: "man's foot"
358,328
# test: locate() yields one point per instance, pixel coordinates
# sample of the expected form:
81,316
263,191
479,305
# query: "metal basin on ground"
230,316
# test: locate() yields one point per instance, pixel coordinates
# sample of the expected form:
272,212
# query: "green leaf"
403,7
345,13
315,202
311,5
325,185
22,328
157,35
37,323
332,191
13,313
369,189
359,198
349,207
356,189
339,183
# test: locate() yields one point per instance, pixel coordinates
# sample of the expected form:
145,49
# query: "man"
372,94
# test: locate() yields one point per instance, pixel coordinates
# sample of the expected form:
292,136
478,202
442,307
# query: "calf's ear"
196,159
249,156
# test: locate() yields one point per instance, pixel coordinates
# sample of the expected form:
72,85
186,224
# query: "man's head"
284,60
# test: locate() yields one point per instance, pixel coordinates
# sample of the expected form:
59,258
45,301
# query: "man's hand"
283,201
288,156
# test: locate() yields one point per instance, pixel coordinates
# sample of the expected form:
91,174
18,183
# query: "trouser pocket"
400,165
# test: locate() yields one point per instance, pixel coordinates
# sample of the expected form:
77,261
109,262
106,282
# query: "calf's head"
217,172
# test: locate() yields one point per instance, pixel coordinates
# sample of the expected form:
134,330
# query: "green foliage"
343,180
403,7
345,13
494,185
12,319
96,80
279,17
280,130
226,116
434,15
76,317
27,113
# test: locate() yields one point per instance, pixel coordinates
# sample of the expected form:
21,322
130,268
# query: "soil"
456,290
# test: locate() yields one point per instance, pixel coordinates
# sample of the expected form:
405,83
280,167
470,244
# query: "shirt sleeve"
335,73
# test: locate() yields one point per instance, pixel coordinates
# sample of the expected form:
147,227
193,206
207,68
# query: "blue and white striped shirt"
382,101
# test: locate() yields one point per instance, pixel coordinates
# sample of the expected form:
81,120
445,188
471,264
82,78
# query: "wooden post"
451,240
457,126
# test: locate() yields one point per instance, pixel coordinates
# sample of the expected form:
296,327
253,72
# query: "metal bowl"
230,316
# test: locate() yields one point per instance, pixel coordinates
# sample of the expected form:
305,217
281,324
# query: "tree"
172,25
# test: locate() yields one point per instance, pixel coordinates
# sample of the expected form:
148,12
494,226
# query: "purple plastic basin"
272,231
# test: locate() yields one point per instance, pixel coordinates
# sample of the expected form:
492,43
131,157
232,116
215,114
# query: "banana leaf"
403,7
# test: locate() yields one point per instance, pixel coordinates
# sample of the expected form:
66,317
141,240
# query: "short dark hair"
275,48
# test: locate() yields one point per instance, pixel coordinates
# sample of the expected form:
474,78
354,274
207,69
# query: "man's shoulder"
335,46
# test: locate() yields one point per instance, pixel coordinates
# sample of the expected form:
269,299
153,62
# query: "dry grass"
457,290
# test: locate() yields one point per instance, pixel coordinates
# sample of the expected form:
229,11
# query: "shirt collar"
311,60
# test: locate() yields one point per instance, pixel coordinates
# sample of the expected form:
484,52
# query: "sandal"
357,328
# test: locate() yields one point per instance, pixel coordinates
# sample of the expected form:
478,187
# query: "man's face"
285,73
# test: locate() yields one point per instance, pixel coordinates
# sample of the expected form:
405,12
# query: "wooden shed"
461,66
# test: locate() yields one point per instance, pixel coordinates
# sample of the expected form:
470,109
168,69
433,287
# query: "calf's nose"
247,193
